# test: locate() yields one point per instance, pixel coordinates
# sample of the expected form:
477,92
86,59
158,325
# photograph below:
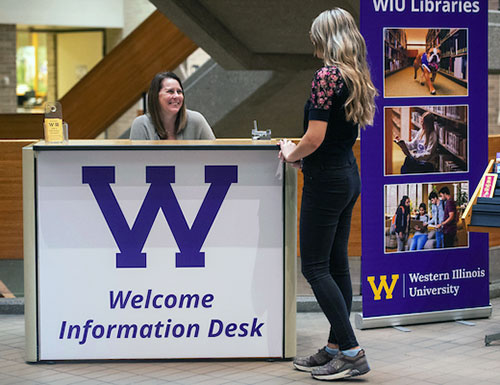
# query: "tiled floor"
441,353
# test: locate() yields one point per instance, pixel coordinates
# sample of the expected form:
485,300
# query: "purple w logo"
160,195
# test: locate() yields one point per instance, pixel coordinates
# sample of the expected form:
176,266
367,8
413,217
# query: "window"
31,70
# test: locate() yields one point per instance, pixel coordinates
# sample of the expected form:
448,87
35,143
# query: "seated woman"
168,117
423,148
420,237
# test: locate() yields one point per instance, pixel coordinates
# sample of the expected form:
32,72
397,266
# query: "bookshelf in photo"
397,122
395,54
453,46
451,128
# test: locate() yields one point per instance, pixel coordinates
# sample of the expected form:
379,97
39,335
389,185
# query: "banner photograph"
426,139
419,61
415,214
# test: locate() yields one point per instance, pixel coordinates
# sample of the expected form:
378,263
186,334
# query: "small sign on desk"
488,187
55,130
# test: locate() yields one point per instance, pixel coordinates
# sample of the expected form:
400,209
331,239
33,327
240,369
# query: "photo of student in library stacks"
425,62
425,139
427,218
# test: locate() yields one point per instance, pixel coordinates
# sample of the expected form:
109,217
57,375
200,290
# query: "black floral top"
326,103
327,82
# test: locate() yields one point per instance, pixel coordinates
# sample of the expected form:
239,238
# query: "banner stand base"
421,318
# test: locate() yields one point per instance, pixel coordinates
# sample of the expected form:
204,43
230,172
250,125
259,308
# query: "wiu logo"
377,290
131,240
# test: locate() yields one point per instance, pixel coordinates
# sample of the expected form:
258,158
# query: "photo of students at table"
424,220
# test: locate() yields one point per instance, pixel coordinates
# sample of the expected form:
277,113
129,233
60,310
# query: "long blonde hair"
337,40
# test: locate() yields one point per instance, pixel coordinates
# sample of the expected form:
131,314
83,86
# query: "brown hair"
154,107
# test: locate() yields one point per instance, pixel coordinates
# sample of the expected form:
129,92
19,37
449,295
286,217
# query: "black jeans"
328,197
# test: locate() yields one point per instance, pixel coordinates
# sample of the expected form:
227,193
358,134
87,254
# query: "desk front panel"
159,254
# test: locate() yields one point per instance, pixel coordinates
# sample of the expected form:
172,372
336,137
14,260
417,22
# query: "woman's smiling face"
171,96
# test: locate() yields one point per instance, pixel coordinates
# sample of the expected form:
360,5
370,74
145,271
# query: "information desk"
155,250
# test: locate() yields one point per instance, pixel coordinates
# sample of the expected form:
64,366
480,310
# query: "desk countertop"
126,144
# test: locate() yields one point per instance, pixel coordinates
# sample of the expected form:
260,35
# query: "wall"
493,91
134,13
69,13
493,104
76,54
8,99
51,61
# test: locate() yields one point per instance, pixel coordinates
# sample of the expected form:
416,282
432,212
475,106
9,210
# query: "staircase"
486,211
483,214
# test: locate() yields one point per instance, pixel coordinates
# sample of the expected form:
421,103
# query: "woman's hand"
297,164
312,139
287,147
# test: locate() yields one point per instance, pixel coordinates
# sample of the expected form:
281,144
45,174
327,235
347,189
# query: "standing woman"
341,100
403,222
168,117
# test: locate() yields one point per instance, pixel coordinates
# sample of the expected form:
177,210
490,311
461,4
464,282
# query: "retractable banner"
422,159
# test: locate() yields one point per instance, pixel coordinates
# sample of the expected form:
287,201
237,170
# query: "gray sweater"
197,127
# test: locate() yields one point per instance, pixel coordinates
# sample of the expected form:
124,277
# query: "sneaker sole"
337,376
304,368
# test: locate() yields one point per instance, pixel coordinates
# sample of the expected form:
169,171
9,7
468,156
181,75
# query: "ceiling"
258,34
416,35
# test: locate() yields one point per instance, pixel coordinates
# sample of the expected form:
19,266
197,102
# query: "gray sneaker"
306,364
342,367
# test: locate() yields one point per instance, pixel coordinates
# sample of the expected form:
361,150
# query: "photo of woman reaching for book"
421,152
